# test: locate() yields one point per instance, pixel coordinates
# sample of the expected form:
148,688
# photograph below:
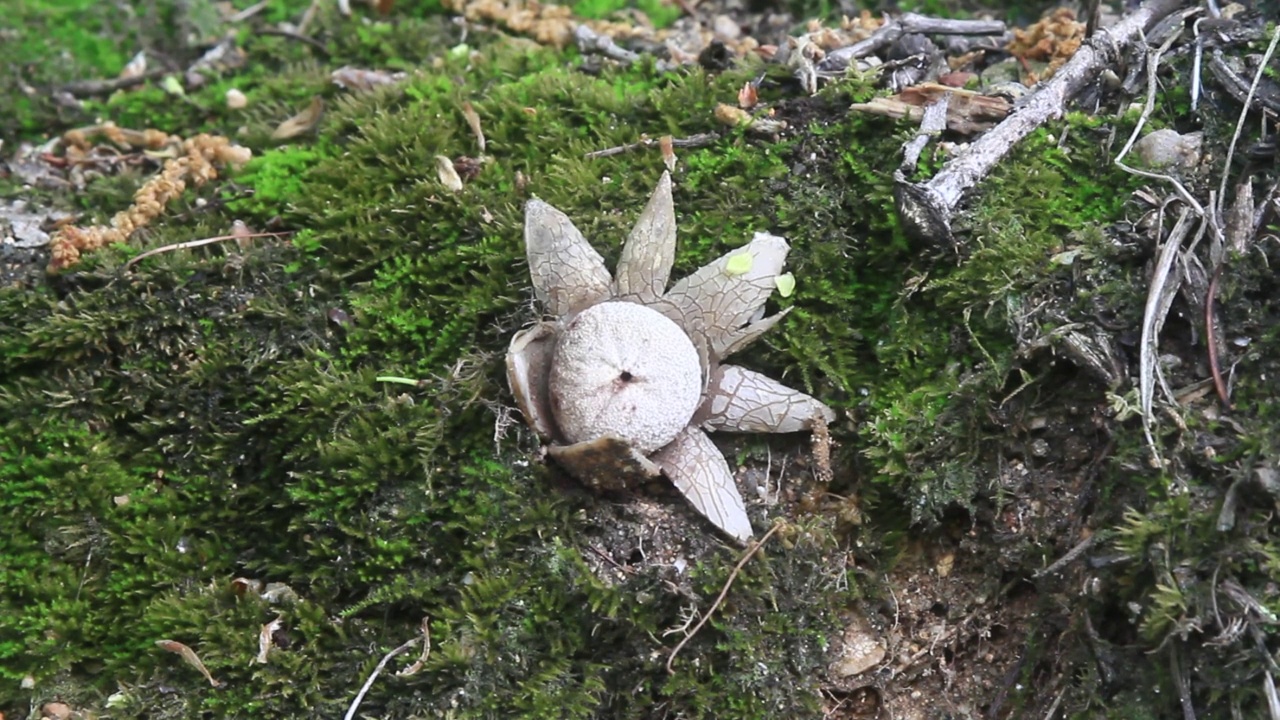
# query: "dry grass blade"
364,690
1244,113
197,243
1164,286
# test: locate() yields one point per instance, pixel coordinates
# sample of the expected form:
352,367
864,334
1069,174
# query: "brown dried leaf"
665,144
189,656
136,67
303,122
473,120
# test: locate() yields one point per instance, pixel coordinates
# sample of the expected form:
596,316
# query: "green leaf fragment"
786,284
739,264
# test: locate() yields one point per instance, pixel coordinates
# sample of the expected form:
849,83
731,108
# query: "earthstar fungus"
627,379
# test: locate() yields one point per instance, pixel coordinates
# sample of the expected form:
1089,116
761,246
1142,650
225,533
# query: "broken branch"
926,208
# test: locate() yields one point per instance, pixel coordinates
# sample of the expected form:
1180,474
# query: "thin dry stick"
1244,113
355,704
693,141
1081,548
723,592
197,243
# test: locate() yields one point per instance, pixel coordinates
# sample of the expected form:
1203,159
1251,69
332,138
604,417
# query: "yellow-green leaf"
786,284
739,264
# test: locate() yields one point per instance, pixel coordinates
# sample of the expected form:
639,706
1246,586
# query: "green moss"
205,416
251,439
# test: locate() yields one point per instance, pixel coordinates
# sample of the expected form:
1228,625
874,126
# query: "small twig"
750,553
1273,698
1181,682
693,141
907,24
82,88
932,125
603,556
591,41
314,43
355,704
426,651
197,243
1081,548
248,12
1244,113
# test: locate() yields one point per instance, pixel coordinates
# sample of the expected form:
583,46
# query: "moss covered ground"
198,445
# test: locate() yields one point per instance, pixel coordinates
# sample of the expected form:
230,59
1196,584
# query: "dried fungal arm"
741,400
568,274
650,251
702,475
723,296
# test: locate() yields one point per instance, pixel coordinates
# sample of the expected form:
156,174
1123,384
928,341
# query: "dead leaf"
447,174
303,122
473,120
747,96
361,80
732,116
665,144
189,656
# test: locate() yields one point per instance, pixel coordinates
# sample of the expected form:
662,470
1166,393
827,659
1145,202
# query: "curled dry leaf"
136,67
303,122
242,586
665,144
189,656
628,380
747,97
448,174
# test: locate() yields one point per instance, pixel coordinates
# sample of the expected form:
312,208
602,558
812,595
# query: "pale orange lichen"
1053,40
552,24
201,157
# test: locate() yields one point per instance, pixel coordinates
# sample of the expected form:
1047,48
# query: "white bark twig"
926,209
355,704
